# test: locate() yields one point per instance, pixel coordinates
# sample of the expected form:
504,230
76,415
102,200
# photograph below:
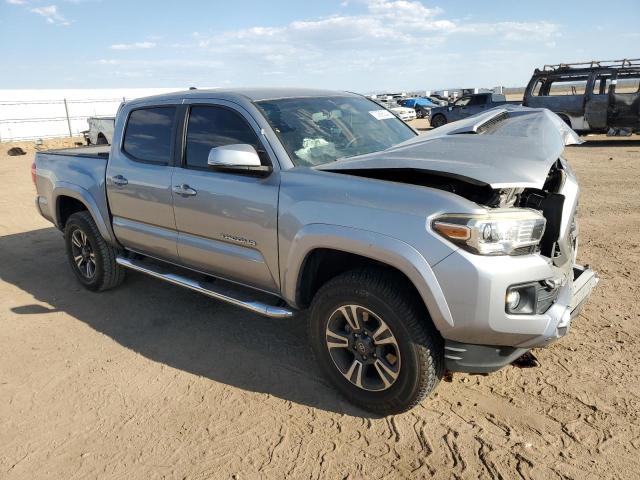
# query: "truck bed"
75,172
92,151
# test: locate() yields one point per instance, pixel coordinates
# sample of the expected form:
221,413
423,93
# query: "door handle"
184,190
119,181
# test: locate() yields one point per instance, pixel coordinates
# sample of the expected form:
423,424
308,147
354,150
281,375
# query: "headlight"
504,232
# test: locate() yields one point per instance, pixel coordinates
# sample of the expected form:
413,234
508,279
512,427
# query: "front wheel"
438,121
374,341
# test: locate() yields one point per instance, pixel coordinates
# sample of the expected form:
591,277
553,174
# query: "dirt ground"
151,381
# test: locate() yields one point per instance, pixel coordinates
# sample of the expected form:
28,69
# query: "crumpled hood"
509,146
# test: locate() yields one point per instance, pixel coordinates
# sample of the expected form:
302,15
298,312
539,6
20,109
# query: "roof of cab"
250,94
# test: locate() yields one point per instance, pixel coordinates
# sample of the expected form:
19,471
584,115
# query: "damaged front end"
513,283
508,161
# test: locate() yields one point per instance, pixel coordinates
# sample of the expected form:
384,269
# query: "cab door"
458,109
226,221
138,180
477,104
624,101
597,101
566,94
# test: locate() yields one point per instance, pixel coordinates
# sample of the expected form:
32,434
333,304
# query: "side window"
571,86
148,134
535,91
211,127
478,100
601,85
628,83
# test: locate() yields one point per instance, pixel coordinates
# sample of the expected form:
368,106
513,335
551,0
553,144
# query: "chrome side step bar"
225,295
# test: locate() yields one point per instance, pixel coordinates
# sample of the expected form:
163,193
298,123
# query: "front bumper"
584,281
473,358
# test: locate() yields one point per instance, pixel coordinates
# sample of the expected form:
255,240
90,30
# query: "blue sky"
361,45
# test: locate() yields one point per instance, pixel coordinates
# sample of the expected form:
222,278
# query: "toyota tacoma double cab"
415,255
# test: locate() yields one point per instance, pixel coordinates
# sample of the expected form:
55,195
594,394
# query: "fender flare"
383,248
65,189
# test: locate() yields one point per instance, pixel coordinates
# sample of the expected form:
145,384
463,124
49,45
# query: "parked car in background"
405,113
100,130
413,254
440,101
467,106
421,105
590,97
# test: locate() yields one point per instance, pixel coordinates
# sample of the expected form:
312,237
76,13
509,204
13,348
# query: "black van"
591,96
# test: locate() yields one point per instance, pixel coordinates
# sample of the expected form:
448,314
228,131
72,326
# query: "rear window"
477,100
148,134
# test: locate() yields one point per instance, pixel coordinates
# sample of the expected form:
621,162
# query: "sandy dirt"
151,381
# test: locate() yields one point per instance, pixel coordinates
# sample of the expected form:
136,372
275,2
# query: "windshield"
317,130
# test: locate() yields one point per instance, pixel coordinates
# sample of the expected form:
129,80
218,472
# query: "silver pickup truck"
413,254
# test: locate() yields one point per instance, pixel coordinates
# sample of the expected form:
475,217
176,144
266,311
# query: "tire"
101,140
97,270
419,113
438,121
408,353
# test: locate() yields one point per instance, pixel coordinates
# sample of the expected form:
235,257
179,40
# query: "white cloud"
51,15
513,30
389,38
16,2
133,46
386,43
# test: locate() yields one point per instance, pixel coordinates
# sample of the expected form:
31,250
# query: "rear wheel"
438,121
92,259
374,341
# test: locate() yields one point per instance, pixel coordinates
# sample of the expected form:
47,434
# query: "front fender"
383,248
67,189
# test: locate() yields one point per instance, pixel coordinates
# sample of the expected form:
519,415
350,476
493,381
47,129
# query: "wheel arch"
320,252
69,199
440,114
67,206
565,118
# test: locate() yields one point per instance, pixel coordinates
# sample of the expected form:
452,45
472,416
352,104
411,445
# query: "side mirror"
237,158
